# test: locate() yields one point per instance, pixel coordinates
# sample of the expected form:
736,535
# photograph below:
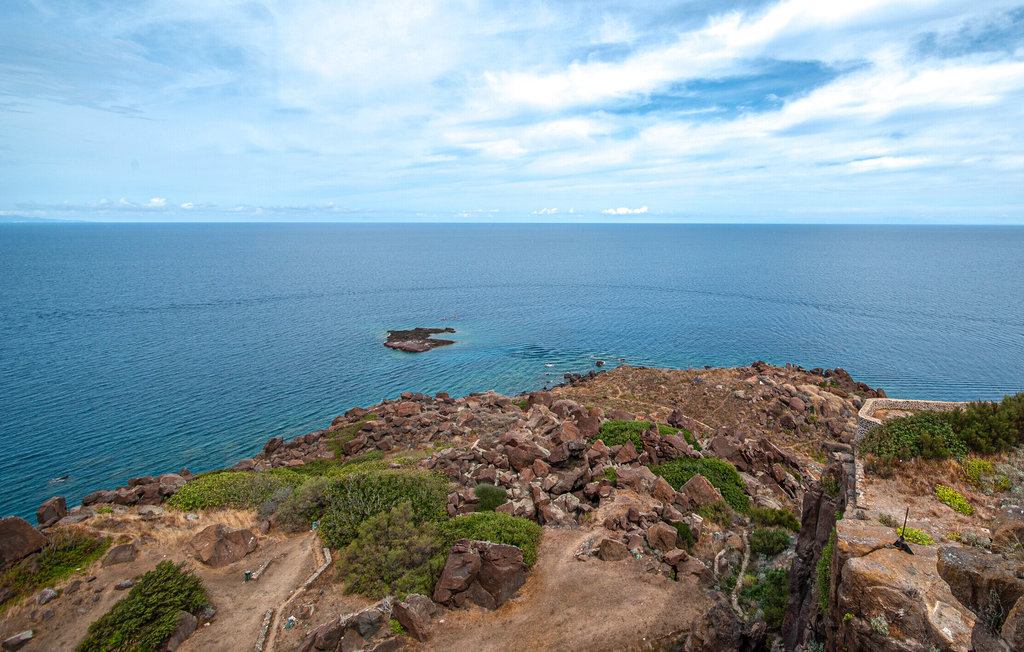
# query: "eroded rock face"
122,554
479,572
719,628
18,540
350,632
612,550
991,587
415,614
218,545
1008,529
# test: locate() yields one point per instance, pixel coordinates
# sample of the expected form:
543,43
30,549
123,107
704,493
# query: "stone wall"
866,422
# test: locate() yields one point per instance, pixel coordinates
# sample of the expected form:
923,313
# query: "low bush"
147,616
975,470
824,572
769,541
925,434
775,518
719,473
616,432
954,499
69,549
393,554
611,474
315,468
719,513
352,498
686,538
495,527
305,504
490,497
364,461
772,593
888,520
913,535
236,489
345,434
987,427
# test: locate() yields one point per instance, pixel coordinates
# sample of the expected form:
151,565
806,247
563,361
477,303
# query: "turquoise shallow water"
131,349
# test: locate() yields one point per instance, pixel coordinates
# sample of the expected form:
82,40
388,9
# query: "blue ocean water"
132,349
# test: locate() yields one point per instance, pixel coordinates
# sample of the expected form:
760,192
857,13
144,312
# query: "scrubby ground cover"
721,474
69,550
616,432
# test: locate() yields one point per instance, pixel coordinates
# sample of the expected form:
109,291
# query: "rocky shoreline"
787,432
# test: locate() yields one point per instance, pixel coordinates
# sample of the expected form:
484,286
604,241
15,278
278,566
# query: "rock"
101,496
244,465
169,483
612,550
719,628
414,614
699,491
627,453
663,491
662,536
46,595
124,585
982,582
187,624
407,409
218,546
149,512
122,554
51,511
797,405
480,572
1013,627
1008,529
417,340
18,641
18,540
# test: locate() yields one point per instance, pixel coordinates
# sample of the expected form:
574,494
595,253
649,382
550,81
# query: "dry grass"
171,529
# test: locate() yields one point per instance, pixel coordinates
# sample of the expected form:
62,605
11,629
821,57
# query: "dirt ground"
568,604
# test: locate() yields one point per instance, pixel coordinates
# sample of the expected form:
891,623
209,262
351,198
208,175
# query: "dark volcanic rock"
417,340
218,545
18,539
52,511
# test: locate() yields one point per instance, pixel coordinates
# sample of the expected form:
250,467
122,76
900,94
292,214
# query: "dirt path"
569,604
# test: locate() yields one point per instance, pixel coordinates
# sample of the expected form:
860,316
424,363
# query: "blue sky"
793,111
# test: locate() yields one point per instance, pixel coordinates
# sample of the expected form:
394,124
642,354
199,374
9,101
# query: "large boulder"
122,554
415,614
482,573
1008,529
356,631
218,545
699,491
51,511
992,588
612,550
18,540
662,536
187,624
719,628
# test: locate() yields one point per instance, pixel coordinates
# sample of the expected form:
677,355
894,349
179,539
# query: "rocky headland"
417,340
710,509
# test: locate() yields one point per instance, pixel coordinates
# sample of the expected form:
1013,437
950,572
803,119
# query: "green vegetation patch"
913,535
353,498
496,527
987,427
686,538
925,434
345,434
954,499
68,550
616,432
772,593
490,497
719,473
611,474
147,616
236,489
769,541
824,572
719,513
774,518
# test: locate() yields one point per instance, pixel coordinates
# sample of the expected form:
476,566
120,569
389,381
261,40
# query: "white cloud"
625,211
188,205
545,211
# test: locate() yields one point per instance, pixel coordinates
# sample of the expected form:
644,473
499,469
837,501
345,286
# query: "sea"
131,349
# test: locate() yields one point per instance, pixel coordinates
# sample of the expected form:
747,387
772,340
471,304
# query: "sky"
806,111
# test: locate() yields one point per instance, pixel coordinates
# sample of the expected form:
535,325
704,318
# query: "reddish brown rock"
217,545
51,511
122,554
663,491
662,536
408,409
612,550
415,614
18,540
482,573
698,491
627,453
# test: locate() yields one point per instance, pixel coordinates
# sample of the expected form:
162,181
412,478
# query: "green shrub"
396,627
521,404
616,432
393,554
490,497
880,625
719,473
68,549
104,509
147,616
774,517
769,541
611,474
686,538
496,527
719,513
305,505
345,434
237,489
975,470
954,499
913,535
772,594
364,461
352,498
888,520
824,572
987,427
315,468
925,434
